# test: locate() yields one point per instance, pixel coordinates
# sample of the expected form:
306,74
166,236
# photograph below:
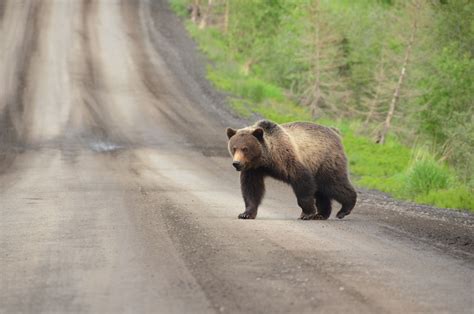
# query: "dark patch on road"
447,230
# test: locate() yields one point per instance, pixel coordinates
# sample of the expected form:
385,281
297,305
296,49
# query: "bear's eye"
245,149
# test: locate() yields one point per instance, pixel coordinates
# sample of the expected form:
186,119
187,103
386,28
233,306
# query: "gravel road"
117,194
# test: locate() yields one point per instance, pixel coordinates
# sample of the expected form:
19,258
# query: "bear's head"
245,147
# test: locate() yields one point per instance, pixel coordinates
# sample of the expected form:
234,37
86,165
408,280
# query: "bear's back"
313,144
309,143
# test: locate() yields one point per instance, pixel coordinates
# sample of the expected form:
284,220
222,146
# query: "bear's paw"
311,216
247,215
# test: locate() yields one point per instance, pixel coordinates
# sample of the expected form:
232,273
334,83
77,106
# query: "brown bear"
307,156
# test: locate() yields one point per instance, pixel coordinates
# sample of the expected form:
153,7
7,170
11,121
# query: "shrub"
426,175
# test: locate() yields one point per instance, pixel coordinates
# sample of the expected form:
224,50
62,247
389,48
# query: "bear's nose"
237,165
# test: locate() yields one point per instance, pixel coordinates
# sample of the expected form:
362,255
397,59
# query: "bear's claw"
341,214
320,217
313,216
246,215
308,216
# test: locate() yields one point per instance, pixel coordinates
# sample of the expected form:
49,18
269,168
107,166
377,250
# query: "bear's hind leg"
347,198
323,203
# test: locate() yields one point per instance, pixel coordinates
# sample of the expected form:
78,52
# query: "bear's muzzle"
237,165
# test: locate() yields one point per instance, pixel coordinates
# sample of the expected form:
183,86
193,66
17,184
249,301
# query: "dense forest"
395,76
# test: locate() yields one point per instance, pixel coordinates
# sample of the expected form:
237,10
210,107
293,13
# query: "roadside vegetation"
396,77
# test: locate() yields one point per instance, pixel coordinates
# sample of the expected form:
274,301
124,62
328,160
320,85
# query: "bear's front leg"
252,187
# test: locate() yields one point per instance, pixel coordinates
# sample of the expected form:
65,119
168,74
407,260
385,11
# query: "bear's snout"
237,165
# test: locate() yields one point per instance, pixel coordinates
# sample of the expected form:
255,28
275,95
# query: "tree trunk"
317,93
195,11
248,66
396,94
205,17
226,17
375,100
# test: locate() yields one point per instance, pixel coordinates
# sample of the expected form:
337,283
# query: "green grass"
425,176
405,173
456,197
179,7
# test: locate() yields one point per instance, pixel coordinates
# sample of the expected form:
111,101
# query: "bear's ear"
230,132
258,133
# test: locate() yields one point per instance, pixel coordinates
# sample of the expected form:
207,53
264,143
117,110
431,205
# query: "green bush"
425,176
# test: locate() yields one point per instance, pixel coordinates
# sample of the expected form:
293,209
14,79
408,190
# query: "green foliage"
447,104
454,24
253,22
366,156
457,197
426,175
180,7
449,108
283,112
212,42
241,107
251,89
451,86
257,90
369,36
424,181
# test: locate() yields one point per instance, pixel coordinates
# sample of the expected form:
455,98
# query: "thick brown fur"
307,156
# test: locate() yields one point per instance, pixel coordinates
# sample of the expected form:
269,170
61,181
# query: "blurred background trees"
402,68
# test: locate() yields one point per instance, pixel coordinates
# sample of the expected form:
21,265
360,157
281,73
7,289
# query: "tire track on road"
17,59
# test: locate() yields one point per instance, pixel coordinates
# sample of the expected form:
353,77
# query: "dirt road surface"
117,194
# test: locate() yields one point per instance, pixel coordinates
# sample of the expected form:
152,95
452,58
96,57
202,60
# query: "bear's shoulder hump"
267,125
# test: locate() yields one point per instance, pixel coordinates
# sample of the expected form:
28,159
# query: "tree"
195,11
226,16
206,15
252,28
415,8
448,115
322,87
